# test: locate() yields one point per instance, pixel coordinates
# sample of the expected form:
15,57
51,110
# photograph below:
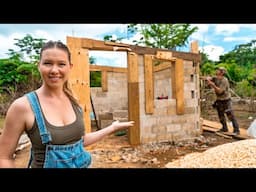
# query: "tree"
167,36
17,74
29,46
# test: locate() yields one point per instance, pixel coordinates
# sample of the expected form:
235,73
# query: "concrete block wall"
115,99
164,124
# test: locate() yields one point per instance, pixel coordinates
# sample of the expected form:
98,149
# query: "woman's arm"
93,137
14,126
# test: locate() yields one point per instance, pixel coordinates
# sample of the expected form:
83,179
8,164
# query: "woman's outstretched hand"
122,125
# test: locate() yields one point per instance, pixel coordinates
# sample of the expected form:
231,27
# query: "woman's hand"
117,125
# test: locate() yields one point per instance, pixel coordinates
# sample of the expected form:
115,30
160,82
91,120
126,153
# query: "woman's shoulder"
21,103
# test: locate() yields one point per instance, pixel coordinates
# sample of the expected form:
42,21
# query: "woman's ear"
71,65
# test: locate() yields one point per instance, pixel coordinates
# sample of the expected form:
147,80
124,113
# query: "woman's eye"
62,64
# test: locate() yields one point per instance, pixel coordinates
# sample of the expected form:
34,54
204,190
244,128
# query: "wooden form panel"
194,47
107,68
162,66
149,84
104,81
133,98
80,78
179,86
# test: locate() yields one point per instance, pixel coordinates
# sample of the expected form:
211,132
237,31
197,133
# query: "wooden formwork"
80,76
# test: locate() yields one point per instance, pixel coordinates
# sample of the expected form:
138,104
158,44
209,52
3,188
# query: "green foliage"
243,55
92,60
30,46
110,38
245,89
95,79
167,36
208,68
15,72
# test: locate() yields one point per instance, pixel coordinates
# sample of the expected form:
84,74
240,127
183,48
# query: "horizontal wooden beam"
108,68
162,66
92,44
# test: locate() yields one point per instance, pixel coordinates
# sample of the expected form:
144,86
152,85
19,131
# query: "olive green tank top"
60,135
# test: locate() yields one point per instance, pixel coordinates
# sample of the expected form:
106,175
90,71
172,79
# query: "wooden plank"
162,66
134,113
102,45
80,78
108,68
223,135
149,84
133,73
116,44
206,128
92,44
104,81
173,81
242,136
179,86
133,98
165,55
194,47
73,42
212,124
216,126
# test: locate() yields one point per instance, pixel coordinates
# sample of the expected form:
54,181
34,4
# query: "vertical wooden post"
179,86
104,80
194,47
79,79
149,84
133,98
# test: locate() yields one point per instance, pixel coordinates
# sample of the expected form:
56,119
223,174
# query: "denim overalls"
58,156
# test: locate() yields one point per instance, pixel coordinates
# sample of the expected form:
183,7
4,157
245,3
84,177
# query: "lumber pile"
213,126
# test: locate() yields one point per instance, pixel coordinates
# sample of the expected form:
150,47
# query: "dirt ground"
115,151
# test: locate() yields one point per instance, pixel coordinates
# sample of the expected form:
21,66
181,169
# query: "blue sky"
213,39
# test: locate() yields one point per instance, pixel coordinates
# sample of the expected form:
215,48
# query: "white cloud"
8,43
95,30
110,58
226,29
248,26
244,39
136,36
201,35
212,51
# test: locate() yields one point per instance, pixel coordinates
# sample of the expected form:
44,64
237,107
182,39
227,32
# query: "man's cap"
222,69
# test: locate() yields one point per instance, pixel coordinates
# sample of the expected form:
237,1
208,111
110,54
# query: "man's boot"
224,127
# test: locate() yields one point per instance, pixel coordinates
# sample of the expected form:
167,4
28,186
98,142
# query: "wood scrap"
223,135
212,126
211,129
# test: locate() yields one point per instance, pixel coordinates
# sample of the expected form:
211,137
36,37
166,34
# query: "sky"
213,39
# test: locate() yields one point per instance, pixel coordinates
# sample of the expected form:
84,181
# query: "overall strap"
45,135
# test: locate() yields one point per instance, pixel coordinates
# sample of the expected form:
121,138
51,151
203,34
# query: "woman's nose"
54,69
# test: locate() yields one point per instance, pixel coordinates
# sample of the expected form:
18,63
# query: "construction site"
161,90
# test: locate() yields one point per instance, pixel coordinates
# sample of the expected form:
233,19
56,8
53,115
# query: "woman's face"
54,67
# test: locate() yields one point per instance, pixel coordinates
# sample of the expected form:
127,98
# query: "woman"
52,118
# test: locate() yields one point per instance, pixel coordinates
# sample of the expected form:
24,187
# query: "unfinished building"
159,90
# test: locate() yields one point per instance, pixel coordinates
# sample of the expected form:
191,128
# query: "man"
223,103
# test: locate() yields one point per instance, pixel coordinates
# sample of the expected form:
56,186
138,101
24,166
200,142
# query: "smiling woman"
52,118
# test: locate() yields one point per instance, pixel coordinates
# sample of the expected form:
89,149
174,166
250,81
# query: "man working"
223,103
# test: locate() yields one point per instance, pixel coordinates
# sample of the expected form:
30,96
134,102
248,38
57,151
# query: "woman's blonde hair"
62,46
